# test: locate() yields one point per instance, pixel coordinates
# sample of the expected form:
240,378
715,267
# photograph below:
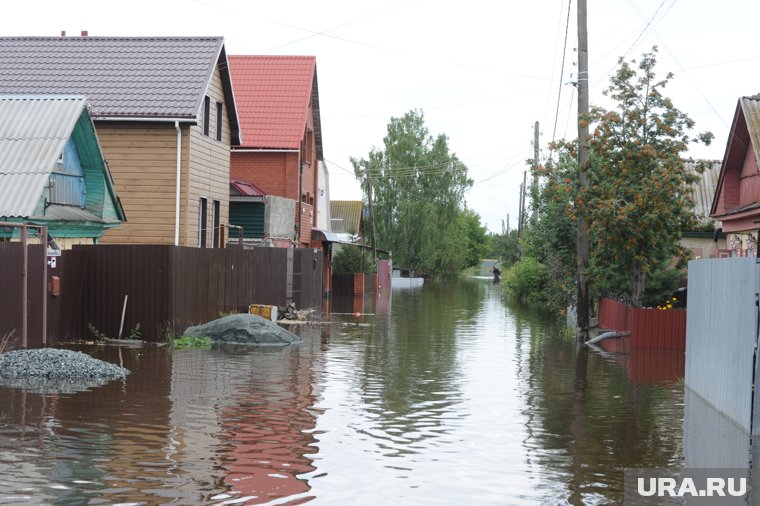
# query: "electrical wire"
562,72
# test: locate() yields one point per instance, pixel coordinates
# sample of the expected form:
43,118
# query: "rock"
245,329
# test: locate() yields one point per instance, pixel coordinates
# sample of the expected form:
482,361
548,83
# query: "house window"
215,222
309,146
206,114
202,221
219,118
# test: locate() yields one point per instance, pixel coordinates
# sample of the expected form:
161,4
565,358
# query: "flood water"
444,395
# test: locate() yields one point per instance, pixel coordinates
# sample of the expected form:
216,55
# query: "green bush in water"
527,280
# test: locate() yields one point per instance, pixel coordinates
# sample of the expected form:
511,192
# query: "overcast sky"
483,72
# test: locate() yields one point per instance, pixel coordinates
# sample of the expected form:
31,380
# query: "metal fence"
161,288
649,328
721,334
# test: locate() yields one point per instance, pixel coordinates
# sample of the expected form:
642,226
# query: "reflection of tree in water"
586,421
409,373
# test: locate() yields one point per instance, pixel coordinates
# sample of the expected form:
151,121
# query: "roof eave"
719,186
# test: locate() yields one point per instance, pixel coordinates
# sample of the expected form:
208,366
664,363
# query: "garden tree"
551,239
504,247
638,202
353,259
466,247
418,187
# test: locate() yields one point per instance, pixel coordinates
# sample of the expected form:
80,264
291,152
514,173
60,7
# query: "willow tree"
418,188
639,202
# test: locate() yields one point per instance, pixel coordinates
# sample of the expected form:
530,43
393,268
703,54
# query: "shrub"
527,280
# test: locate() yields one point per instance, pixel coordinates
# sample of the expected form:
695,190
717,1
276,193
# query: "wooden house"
165,114
52,169
737,198
281,152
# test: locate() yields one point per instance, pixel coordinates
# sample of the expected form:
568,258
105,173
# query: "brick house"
165,115
737,197
278,104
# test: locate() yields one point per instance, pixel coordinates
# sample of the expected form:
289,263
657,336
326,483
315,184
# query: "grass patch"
8,342
201,343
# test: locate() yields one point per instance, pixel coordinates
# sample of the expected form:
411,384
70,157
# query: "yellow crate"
268,312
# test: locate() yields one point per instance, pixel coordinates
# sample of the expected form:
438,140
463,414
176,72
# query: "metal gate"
721,336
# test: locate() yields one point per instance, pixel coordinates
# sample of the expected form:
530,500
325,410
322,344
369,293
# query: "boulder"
245,329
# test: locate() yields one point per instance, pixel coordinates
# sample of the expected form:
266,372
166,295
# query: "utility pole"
371,213
522,203
520,212
507,223
534,188
582,303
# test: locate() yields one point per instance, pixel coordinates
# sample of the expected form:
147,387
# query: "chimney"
84,33
63,33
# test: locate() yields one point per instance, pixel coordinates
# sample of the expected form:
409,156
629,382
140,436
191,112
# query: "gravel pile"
55,370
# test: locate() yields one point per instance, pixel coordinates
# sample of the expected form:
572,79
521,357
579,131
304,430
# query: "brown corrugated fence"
167,287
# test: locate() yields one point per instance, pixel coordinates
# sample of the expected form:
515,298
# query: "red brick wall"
275,173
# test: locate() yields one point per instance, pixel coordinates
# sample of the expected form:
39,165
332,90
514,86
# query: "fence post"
24,294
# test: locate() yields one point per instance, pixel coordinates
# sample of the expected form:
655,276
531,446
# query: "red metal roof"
246,188
272,95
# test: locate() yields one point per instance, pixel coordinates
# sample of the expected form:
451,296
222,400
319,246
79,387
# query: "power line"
562,71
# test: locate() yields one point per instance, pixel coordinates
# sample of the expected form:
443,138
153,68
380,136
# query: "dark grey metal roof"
136,77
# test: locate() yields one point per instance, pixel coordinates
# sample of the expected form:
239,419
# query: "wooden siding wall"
143,163
209,173
749,185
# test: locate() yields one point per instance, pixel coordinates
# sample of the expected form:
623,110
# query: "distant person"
496,274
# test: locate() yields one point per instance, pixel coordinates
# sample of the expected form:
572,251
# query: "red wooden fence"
649,328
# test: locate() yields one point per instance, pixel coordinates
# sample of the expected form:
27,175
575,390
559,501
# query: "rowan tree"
639,202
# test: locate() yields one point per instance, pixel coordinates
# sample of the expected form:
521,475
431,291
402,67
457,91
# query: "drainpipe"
179,167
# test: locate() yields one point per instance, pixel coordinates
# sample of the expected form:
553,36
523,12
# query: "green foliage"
638,202
98,335
352,260
201,343
504,247
466,247
135,333
418,188
552,239
527,280
231,312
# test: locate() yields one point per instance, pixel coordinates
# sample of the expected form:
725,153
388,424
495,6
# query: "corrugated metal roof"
33,133
751,108
120,76
346,216
703,191
272,95
247,188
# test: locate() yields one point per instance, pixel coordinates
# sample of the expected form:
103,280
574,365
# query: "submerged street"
446,395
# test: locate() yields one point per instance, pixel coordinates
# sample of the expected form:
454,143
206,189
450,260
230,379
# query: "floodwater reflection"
439,395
